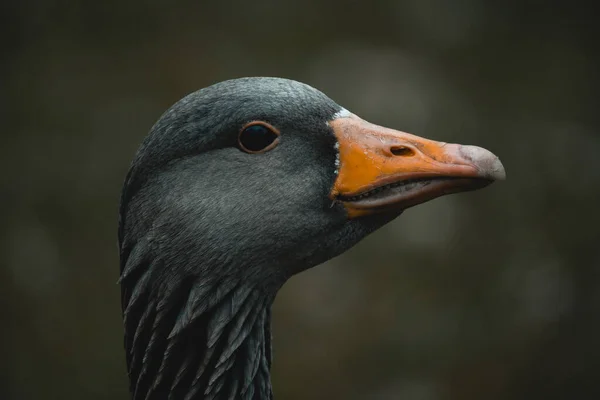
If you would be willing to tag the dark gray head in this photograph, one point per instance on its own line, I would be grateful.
(237, 187)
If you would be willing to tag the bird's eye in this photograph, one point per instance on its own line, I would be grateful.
(258, 137)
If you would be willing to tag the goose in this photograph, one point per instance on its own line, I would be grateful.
(236, 188)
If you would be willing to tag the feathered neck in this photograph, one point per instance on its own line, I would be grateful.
(193, 338)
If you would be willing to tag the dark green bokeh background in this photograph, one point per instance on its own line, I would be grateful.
(486, 295)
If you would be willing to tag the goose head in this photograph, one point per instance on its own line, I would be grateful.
(238, 187)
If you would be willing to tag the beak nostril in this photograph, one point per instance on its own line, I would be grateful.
(402, 151)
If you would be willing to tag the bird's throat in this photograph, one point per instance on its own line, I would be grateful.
(204, 340)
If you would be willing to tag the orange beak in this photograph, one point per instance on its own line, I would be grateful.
(381, 169)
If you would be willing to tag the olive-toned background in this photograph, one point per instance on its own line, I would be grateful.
(486, 295)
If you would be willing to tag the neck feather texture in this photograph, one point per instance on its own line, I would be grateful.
(192, 338)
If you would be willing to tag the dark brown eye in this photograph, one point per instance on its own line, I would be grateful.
(258, 137)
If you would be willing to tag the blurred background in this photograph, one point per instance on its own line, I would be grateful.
(486, 295)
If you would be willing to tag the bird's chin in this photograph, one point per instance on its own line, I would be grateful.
(397, 196)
